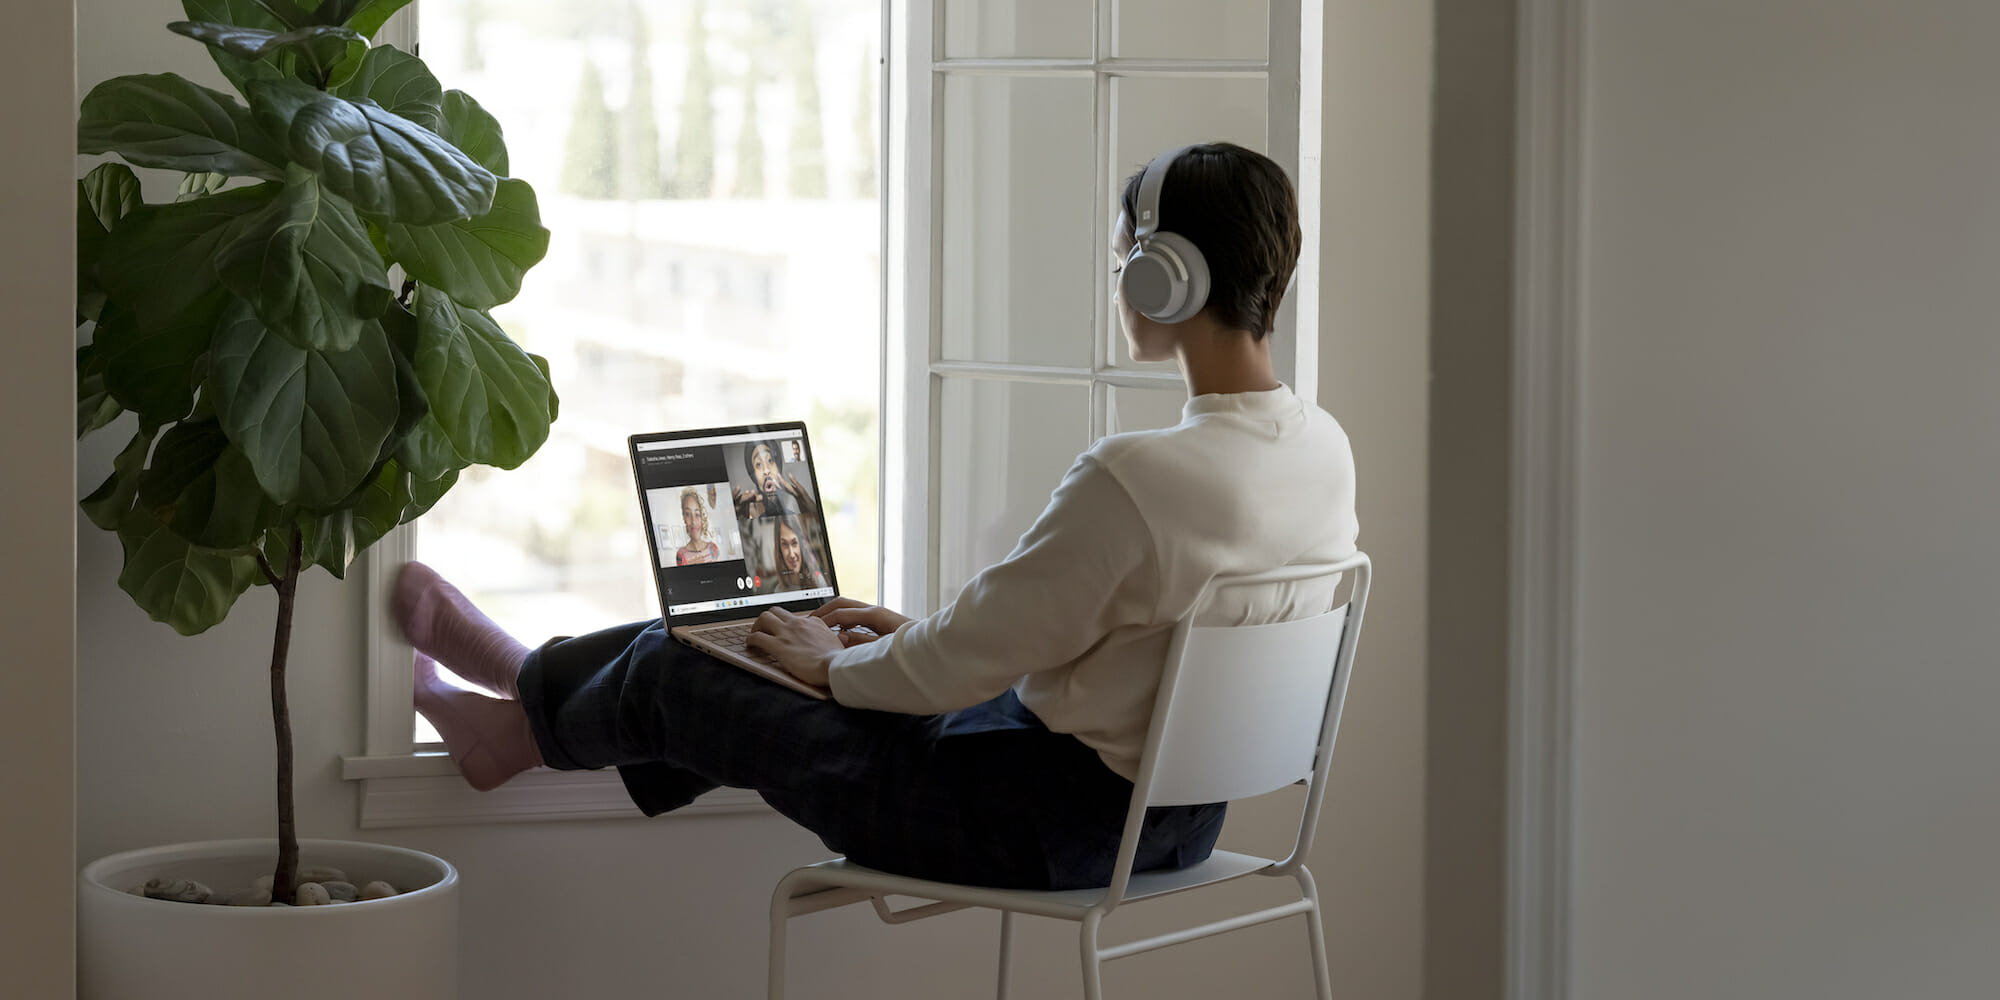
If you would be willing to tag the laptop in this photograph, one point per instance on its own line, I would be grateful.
(735, 527)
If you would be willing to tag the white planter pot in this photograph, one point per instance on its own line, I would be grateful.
(401, 948)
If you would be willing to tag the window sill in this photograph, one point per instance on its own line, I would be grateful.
(424, 789)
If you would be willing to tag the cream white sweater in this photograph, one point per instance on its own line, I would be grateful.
(1078, 617)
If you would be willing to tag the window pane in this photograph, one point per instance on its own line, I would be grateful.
(1190, 29)
(1032, 28)
(1142, 409)
(1019, 223)
(1003, 447)
(707, 170)
(1152, 114)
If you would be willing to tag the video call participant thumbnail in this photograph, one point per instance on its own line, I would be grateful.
(794, 564)
(701, 545)
(773, 492)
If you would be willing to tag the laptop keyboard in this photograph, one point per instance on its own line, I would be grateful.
(733, 639)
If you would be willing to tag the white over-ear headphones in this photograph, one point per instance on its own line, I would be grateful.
(1165, 277)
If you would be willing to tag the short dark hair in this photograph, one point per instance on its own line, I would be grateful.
(1240, 211)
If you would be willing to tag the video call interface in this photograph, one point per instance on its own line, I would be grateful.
(736, 521)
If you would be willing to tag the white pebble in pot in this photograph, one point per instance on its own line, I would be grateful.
(377, 890)
(312, 894)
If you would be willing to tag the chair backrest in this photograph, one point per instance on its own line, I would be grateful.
(1248, 709)
(1245, 714)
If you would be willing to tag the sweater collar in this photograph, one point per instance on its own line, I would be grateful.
(1270, 404)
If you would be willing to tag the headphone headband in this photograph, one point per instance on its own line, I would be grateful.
(1148, 205)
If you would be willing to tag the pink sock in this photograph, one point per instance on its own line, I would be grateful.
(443, 623)
(488, 738)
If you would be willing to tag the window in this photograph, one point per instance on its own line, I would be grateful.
(1010, 127)
(1031, 115)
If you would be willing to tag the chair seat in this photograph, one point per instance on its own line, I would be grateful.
(1068, 904)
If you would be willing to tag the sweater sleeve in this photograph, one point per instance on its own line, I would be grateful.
(1084, 568)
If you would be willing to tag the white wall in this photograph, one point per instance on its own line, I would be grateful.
(174, 740)
(37, 614)
(1375, 377)
(1471, 389)
(1786, 748)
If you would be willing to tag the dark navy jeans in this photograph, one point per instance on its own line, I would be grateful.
(986, 795)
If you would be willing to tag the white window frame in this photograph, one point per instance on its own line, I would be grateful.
(402, 787)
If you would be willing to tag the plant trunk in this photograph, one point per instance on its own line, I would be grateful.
(282, 887)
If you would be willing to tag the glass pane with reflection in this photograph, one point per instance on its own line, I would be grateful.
(1190, 29)
(1003, 447)
(1043, 29)
(1018, 272)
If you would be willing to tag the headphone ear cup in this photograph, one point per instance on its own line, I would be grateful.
(1195, 284)
(1150, 283)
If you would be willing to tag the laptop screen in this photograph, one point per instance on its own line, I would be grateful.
(734, 521)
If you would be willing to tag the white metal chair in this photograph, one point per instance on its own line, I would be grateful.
(1242, 711)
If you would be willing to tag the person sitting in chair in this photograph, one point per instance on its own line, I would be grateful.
(995, 741)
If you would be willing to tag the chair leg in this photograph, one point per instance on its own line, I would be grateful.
(1093, 983)
(781, 915)
(1315, 934)
(1006, 949)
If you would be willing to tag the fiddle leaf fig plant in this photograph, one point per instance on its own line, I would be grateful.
(302, 335)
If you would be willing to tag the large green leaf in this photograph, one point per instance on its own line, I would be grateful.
(165, 298)
(242, 13)
(325, 55)
(328, 541)
(290, 14)
(370, 15)
(411, 406)
(311, 422)
(106, 194)
(418, 443)
(160, 120)
(425, 494)
(487, 395)
(479, 262)
(427, 451)
(306, 265)
(186, 587)
(94, 406)
(161, 258)
(107, 505)
(555, 401)
(109, 192)
(333, 540)
(200, 185)
(401, 84)
(388, 166)
(474, 131)
(202, 486)
(152, 368)
(334, 11)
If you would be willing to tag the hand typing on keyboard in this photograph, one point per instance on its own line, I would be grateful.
(858, 622)
(801, 644)
(804, 644)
